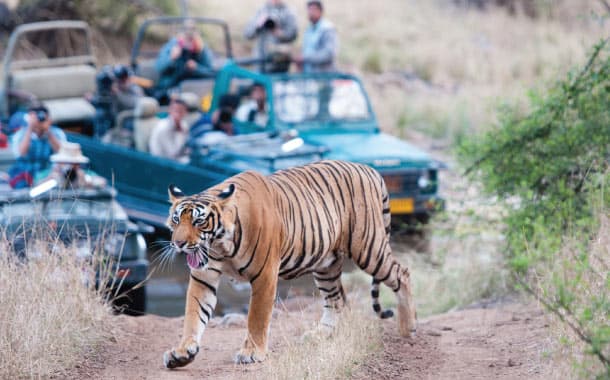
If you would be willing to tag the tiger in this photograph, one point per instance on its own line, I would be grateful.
(297, 221)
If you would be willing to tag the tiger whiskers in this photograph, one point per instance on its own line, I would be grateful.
(164, 255)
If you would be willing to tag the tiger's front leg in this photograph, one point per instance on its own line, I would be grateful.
(259, 316)
(200, 303)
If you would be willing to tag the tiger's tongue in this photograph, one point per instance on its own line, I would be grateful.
(191, 258)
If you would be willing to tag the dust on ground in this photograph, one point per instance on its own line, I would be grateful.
(504, 340)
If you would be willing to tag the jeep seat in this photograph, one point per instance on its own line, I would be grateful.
(145, 121)
(61, 89)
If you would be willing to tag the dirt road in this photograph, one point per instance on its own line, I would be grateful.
(505, 341)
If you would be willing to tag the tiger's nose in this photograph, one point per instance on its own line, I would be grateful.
(180, 243)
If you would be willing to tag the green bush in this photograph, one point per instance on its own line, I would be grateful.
(551, 168)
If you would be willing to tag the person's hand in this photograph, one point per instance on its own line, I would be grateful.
(45, 125)
(261, 20)
(191, 64)
(175, 52)
(114, 88)
(298, 60)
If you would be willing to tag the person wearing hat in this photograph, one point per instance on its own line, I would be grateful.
(125, 93)
(33, 145)
(319, 41)
(67, 170)
(274, 25)
(182, 57)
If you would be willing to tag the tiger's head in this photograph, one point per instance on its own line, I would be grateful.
(199, 224)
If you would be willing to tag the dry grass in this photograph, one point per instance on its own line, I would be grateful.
(50, 311)
(433, 67)
(316, 356)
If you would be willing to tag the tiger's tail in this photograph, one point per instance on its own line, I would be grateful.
(383, 314)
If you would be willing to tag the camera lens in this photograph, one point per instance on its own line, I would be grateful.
(41, 116)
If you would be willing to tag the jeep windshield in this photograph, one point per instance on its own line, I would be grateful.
(320, 101)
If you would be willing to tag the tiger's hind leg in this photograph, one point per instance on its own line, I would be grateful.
(384, 268)
(329, 284)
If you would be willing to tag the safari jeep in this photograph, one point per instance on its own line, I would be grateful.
(89, 219)
(51, 62)
(311, 117)
(330, 111)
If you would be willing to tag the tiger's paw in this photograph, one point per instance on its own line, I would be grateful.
(249, 355)
(179, 357)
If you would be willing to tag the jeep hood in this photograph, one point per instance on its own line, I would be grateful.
(379, 150)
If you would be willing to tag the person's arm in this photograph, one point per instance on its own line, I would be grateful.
(23, 145)
(128, 99)
(164, 59)
(204, 63)
(55, 137)
(253, 28)
(326, 53)
(287, 31)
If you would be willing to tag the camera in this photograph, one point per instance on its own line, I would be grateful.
(269, 24)
(226, 115)
(41, 115)
(104, 80)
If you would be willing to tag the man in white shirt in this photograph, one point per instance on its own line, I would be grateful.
(169, 137)
(254, 110)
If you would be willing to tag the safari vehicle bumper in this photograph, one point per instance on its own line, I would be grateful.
(416, 205)
(131, 272)
(413, 191)
(129, 298)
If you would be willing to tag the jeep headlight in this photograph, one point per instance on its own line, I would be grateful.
(424, 180)
(427, 180)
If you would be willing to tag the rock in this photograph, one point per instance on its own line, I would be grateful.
(434, 333)
(512, 363)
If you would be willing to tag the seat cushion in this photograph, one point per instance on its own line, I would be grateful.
(55, 82)
(70, 110)
(142, 130)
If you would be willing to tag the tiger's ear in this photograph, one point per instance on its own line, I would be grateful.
(226, 193)
(174, 193)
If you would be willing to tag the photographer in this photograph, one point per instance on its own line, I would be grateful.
(125, 93)
(274, 24)
(33, 146)
(183, 57)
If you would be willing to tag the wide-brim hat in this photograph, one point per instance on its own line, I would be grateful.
(69, 153)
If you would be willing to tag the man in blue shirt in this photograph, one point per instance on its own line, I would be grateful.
(319, 42)
(33, 145)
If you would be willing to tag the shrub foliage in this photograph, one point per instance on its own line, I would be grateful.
(551, 167)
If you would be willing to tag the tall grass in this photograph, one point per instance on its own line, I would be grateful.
(318, 356)
(51, 313)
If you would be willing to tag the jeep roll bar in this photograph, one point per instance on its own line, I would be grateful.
(169, 20)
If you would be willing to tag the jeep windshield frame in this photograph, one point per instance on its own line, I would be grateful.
(137, 53)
